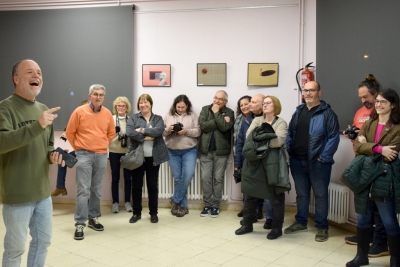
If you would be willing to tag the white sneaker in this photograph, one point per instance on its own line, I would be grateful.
(128, 207)
(115, 208)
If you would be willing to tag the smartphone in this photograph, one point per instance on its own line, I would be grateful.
(70, 160)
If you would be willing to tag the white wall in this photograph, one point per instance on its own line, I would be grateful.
(233, 36)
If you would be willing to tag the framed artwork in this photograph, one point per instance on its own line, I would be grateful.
(156, 75)
(262, 74)
(211, 74)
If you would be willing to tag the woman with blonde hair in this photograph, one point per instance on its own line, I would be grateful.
(118, 147)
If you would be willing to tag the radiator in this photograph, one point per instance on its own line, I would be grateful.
(166, 184)
(339, 201)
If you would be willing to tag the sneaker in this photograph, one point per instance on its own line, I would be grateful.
(59, 191)
(79, 232)
(268, 224)
(95, 225)
(115, 208)
(174, 206)
(135, 218)
(205, 212)
(322, 235)
(182, 211)
(351, 240)
(295, 227)
(214, 212)
(154, 218)
(128, 207)
(377, 251)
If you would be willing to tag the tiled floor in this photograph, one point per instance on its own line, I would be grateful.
(189, 241)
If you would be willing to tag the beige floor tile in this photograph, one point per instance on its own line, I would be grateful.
(244, 261)
(291, 260)
(216, 256)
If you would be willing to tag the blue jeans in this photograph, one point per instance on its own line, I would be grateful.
(37, 216)
(62, 173)
(90, 171)
(115, 165)
(268, 209)
(388, 215)
(366, 221)
(183, 165)
(316, 176)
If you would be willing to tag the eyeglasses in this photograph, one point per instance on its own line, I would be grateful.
(267, 103)
(121, 106)
(382, 102)
(306, 91)
(219, 99)
(98, 95)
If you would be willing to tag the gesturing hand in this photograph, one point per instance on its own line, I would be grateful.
(47, 117)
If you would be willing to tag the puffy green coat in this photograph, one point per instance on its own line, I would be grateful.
(214, 122)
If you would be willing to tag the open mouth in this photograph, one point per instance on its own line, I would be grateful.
(34, 83)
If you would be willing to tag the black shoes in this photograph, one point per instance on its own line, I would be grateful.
(135, 218)
(244, 229)
(268, 224)
(154, 218)
(240, 214)
(274, 234)
(95, 225)
(79, 232)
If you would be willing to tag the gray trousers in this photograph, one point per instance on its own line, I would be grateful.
(212, 178)
(90, 171)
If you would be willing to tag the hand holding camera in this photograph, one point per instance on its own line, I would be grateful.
(351, 132)
(122, 137)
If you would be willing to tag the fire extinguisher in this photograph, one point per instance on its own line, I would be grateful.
(306, 76)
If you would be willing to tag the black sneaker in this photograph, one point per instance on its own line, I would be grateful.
(154, 218)
(79, 232)
(214, 212)
(351, 240)
(95, 225)
(135, 218)
(377, 251)
(205, 211)
(268, 224)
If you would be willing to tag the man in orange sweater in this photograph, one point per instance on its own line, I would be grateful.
(90, 131)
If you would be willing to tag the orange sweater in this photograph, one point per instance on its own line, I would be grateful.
(90, 131)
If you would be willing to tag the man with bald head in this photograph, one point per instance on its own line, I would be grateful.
(26, 148)
(215, 145)
(312, 140)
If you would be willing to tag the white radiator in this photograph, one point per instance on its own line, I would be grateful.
(166, 184)
(339, 200)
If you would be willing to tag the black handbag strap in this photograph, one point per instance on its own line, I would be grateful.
(276, 118)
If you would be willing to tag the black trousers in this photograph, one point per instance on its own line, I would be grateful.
(152, 186)
(115, 165)
(278, 210)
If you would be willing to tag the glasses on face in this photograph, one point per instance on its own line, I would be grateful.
(98, 95)
(121, 106)
(219, 99)
(306, 91)
(267, 103)
(382, 102)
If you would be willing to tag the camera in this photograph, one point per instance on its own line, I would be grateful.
(351, 131)
(177, 127)
(124, 140)
(237, 175)
(117, 129)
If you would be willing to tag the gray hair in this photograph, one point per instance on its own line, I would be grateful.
(226, 94)
(96, 87)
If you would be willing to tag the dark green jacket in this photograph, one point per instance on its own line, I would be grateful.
(260, 164)
(370, 177)
(214, 122)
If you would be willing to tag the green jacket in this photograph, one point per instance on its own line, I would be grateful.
(24, 151)
(210, 123)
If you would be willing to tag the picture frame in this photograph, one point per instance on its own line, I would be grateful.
(156, 75)
(263, 74)
(211, 74)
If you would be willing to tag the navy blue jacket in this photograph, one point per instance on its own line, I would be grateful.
(323, 138)
(241, 138)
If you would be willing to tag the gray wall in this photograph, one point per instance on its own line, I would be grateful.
(75, 48)
(346, 31)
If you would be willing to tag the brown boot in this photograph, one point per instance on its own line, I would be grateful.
(59, 191)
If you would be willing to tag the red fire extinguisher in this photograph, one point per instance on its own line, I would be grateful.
(306, 76)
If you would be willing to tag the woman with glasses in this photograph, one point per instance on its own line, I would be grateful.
(146, 128)
(181, 134)
(118, 147)
(254, 181)
(378, 144)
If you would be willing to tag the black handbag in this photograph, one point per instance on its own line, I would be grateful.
(133, 159)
